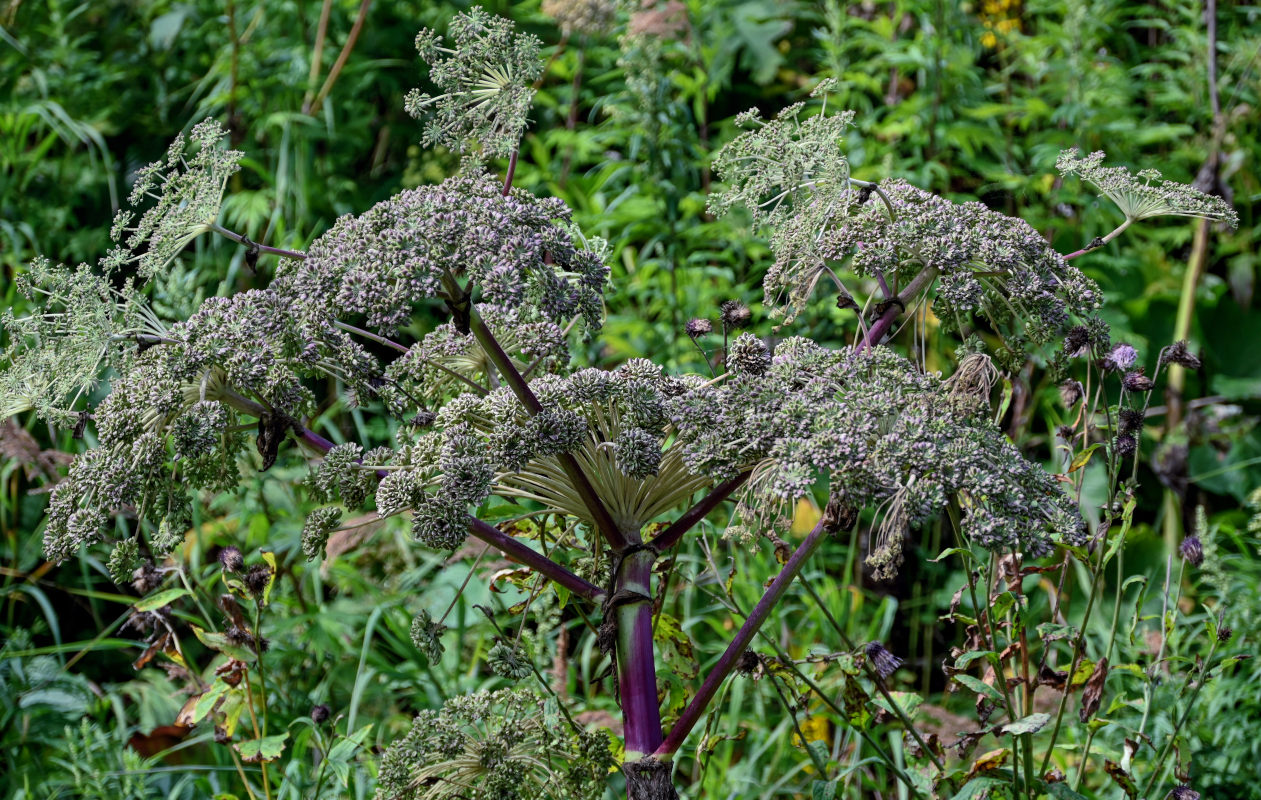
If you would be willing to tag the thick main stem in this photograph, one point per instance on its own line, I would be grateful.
(731, 656)
(636, 666)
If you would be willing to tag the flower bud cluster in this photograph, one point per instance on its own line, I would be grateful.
(876, 426)
(486, 78)
(1141, 196)
(989, 263)
(508, 744)
(187, 190)
(412, 247)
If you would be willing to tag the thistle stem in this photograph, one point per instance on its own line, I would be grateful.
(731, 656)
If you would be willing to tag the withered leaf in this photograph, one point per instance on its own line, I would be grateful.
(1093, 692)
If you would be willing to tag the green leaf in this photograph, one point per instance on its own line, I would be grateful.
(268, 748)
(980, 687)
(823, 790)
(972, 655)
(1083, 458)
(208, 699)
(978, 786)
(1030, 724)
(270, 558)
(908, 702)
(1060, 791)
(219, 643)
(155, 601)
(962, 552)
(1051, 631)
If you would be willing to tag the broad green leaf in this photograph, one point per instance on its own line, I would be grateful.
(270, 558)
(268, 748)
(1030, 724)
(980, 687)
(155, 601)
(1083, 458)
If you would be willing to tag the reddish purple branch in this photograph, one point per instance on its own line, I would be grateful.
(512, 170)
(533, 559)
(521, 388)
(731, 656)
(896, 307)
(494, 537)
(670, 536)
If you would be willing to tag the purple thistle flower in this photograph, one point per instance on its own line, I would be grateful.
(882, 661)
(1120, 359)
(1192, 550)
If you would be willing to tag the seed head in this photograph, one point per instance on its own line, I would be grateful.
(884, 662)
(734, 315)
(231, 559)
(1192, 550)
(320, 714)
(1137, 382)
(1177, 353)
(697, 328)
(256, 579)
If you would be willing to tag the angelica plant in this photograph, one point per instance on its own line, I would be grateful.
(603, 472)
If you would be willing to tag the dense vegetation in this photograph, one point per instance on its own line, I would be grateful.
(959, 635)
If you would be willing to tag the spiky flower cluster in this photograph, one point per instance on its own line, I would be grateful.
(168, 424)
(186, 192)
(426, 634)
(1144, 195)
(615, 423)
(504, 745)
(515, 250)
(988, 263)
(885, 434)
(56, 357)
(793, 178)
(485, 82)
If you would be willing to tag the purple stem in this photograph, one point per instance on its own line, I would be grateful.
(918, 284)
(636, 667)
(512, 170)
(670, 536)
(521, 388)
(533, 559)
(262, 248)
(731, 656)
(487, 533)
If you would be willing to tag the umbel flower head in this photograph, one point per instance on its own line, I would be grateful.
(791, 175)
(485, 80)
(186, 191)
(988, 263)
(516, 250)
(509, 745)
(892, 437)
(1144, 195)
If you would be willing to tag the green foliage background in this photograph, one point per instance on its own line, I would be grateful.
(970, 100)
